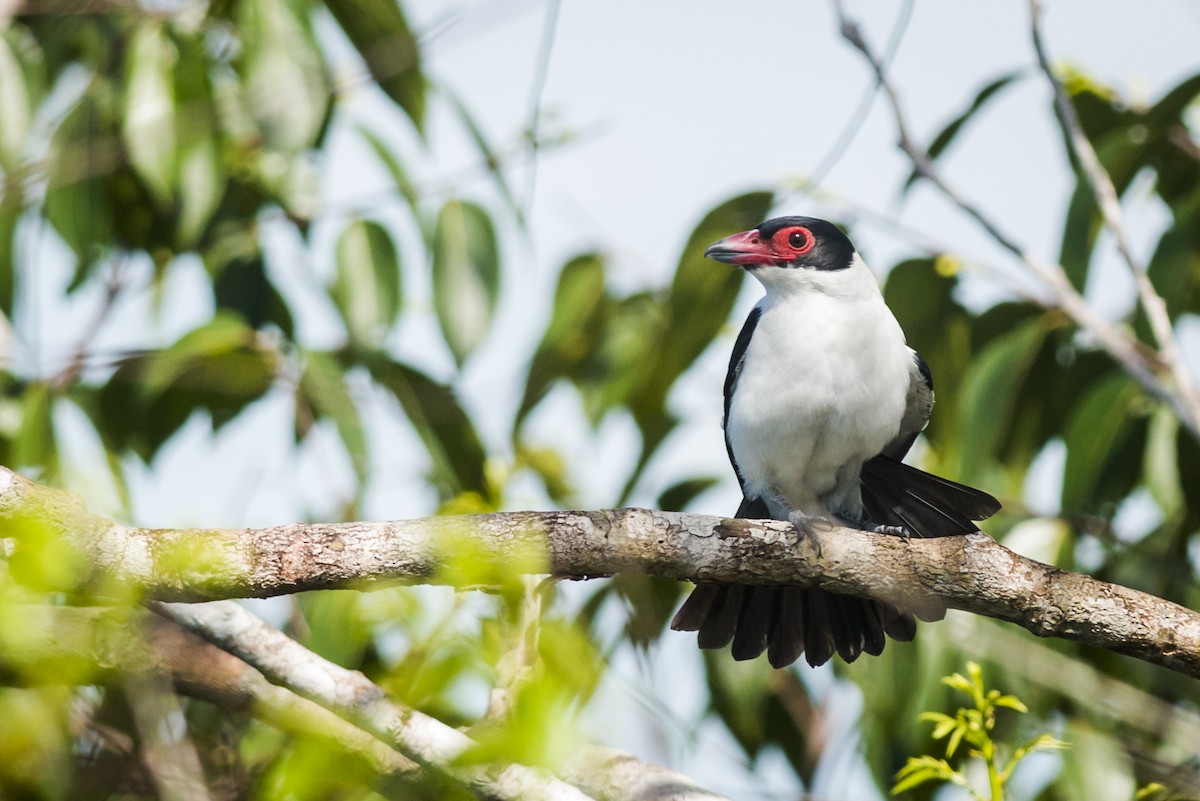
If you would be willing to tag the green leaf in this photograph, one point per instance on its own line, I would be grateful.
(287, 91)
(1126, 141)
(574, 328)
(18, 97)
(466, 275)
(367, 288)
(1102, 441)
(395, 169)
(948, 134)
(1154, 792)
(1012, 702)
(449, 436)
(1160, 469)
(35, 444)
(148, 117)
(11, 205)
(920, 292)
(323, 390)
(676, 497)
(94, 199)
(649, 605)
(380, 33)
(1174, 269)
(919, 770)
(697, 305)
(550, 467)
(81, 156)
(201, 177)
(1122, 160)
(242, 286)
(1097, 768)
(223, 334)
(702, 294)
(219, 368)
(618, 369)
(335, 627)
(988, 397)
(956, 736)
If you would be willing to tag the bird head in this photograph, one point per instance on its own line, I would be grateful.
(794, 253)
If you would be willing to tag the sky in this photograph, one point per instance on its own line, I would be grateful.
(671, 107)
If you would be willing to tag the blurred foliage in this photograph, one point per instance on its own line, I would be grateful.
(151, 140)
(973, 726)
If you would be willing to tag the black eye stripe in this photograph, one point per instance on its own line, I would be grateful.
(830, 249)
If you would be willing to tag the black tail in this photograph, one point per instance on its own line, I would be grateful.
(789, 621)
(895, 494)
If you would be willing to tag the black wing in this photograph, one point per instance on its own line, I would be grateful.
(917, 410)
(925, 505)
(731, 378)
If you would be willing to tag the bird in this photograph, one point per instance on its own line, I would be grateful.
(823, 399)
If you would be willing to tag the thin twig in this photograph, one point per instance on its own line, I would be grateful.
(1110, 209)
(518, 663)
(927, 244)
(854, 124)
(114, 285)
(1142, 365)
(170, 757)
(539, 88)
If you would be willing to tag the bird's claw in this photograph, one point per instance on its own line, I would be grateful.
(877, 528)
(806, 526)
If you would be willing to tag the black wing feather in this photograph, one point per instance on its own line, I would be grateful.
(736, 359)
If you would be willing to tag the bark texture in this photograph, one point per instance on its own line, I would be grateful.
(972, 573)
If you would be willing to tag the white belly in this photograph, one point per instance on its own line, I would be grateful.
(823, 388)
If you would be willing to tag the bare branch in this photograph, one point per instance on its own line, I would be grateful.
(602, 773)
(972, 573)
(1110, 209)
(169, 756)
(351, 694)
(1123, 348)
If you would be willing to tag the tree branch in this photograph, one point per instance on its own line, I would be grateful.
(70, 643)
(601, 773)
(972, 573)
(1123, 348)
(59, 644)
(1110, 209)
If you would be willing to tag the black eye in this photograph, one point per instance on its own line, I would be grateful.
(798, 239)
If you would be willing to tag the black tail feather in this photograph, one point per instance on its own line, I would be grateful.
(754, 622)
(788, 622)
(787, 641)
(897, 494)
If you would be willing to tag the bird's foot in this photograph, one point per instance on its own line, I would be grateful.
(867, 525)
(808, 525)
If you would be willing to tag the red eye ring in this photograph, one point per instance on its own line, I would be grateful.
(799, 240)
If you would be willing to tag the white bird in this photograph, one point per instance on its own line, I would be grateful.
(823, 398)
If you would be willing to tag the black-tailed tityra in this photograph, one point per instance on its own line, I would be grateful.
(823, 398)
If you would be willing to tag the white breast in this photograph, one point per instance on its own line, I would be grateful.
(823, 388)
